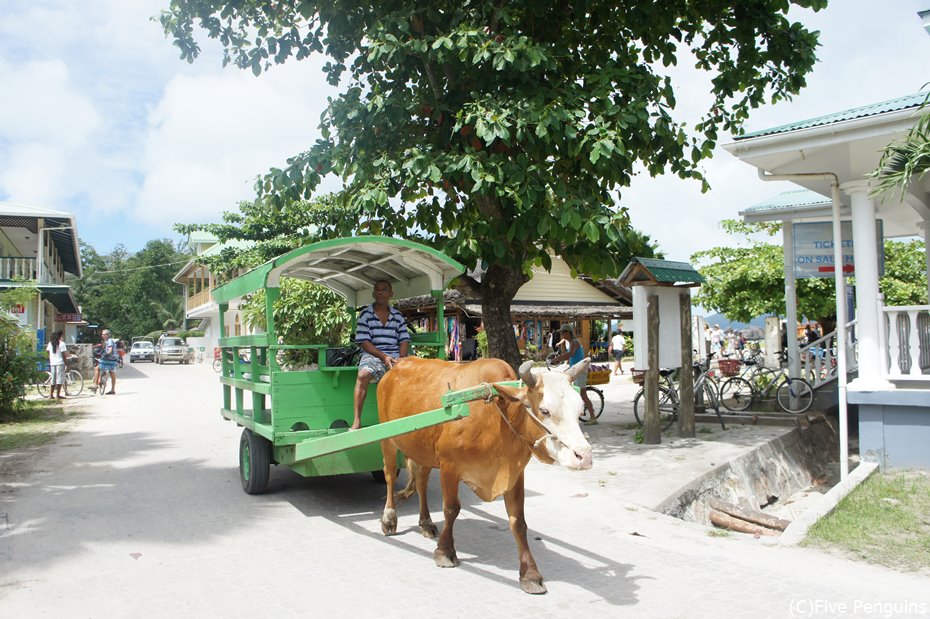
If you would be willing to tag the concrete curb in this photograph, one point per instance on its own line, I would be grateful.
(797, 530)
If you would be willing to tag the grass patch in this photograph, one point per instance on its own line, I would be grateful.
(37, 424)
(886, 520)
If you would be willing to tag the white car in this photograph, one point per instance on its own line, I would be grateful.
(142, 351)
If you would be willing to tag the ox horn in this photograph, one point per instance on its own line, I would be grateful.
(526, 374)
(578, 368)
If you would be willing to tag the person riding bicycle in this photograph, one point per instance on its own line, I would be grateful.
(109, 356)
(574, 353)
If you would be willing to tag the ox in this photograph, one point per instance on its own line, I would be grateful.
(487, 450)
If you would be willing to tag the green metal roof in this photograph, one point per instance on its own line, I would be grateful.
(892, 105)
(662, 271)
(789, 200)
(350, 267)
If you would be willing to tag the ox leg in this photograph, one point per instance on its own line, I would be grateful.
(444, 554)
(389, 516)
(531, 580)
(427, 528)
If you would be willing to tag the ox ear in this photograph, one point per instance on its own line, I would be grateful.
(512, 394)
(578, 368)
(526, 374)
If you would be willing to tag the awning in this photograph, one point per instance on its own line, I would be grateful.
(58, 295)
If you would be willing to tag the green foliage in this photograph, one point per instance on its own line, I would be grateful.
(304, 313)
(748, 279)
(517, 122)
(482, 339)
(18, 356)
(191, 333)
(905, 161)
(132, 294)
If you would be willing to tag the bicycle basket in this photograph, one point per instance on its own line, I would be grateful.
(638, 376)
(729, 367)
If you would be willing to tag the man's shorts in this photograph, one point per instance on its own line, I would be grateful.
(618, 355)
(581, 381)
(107, 366)
(58, 374)
(373, 365)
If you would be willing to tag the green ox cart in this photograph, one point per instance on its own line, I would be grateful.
(300, 418)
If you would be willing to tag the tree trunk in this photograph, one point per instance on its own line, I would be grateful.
(499, 285)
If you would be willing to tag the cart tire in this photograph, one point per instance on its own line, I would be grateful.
(254, 462)
(378, 476)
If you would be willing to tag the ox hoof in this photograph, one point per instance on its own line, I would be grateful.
(533, 586)
(445, 560)
(389, 522)
(429, 530)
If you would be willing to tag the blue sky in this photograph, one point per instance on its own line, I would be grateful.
(100, 118)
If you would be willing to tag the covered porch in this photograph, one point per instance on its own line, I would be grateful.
(885, 350)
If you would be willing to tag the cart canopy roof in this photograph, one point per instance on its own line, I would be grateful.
(351, 266)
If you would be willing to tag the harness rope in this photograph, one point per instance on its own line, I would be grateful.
(532, 446)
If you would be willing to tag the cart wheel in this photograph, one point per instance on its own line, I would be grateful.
(378, 476)
(254, 462)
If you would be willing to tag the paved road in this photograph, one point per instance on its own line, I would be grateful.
(139, 513)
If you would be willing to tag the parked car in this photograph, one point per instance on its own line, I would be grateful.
(142, 351)
(171, 349)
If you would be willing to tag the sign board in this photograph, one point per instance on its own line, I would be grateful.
(813, 249)
(669, 325)
(68, 317)
(19, 308)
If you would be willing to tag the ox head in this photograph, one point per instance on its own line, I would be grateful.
(552, 402)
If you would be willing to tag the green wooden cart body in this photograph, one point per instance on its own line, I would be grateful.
(304, 415)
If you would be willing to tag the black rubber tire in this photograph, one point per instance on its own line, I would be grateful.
(254, 462)
(597, 401)
(74, 383)
(736, 394)
(378, 476)
(44, 385)
(803, 394)
(666, 408)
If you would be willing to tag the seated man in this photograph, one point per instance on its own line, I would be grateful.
(381, 332)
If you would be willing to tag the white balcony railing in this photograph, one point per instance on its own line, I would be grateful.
(907, 334)
(17, 267)
(818, 358)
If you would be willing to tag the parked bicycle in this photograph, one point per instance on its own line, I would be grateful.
(793, 395)
(74, 381)
(705, 392)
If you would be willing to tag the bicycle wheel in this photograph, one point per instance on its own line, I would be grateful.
(597, 401)
(104, 378)
(795, 395)
(736, 394)
(667, 408)
(712, 401)
(44, 384)
(217, 365)
(74, 382)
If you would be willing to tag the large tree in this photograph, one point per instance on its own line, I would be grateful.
(747, 279)
(500, 132)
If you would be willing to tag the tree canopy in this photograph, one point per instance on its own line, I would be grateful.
(132, 294)
(501, 133)
(748, 280)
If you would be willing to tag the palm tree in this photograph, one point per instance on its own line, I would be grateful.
(169, 312)
(906, 161)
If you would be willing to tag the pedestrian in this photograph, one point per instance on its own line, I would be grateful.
(574, 353)
(381, 333)
(716, 339)
(109, 356)
(57, 355)
(616, 348)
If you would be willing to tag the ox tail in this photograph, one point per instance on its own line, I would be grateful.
(410, 488)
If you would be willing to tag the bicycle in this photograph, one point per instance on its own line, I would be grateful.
(74, 382)
(793, 395)
(670, 401)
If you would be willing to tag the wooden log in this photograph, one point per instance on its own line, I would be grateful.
(724, 521)
(749, 515)
(686, 384)
(652, 432)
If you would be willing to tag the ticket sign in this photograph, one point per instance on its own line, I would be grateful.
(813, 249)
(19, 308)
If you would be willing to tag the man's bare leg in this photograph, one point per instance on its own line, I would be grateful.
(361, 392)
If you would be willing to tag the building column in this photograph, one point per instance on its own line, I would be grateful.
(865, 253)
(791, 304)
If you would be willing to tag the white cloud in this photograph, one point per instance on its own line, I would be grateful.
(211, 135)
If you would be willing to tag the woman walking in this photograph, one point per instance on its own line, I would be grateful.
(57, 353)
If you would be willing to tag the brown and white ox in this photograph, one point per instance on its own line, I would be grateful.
(487, 450)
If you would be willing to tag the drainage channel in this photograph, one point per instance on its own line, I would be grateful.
(761, 491)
